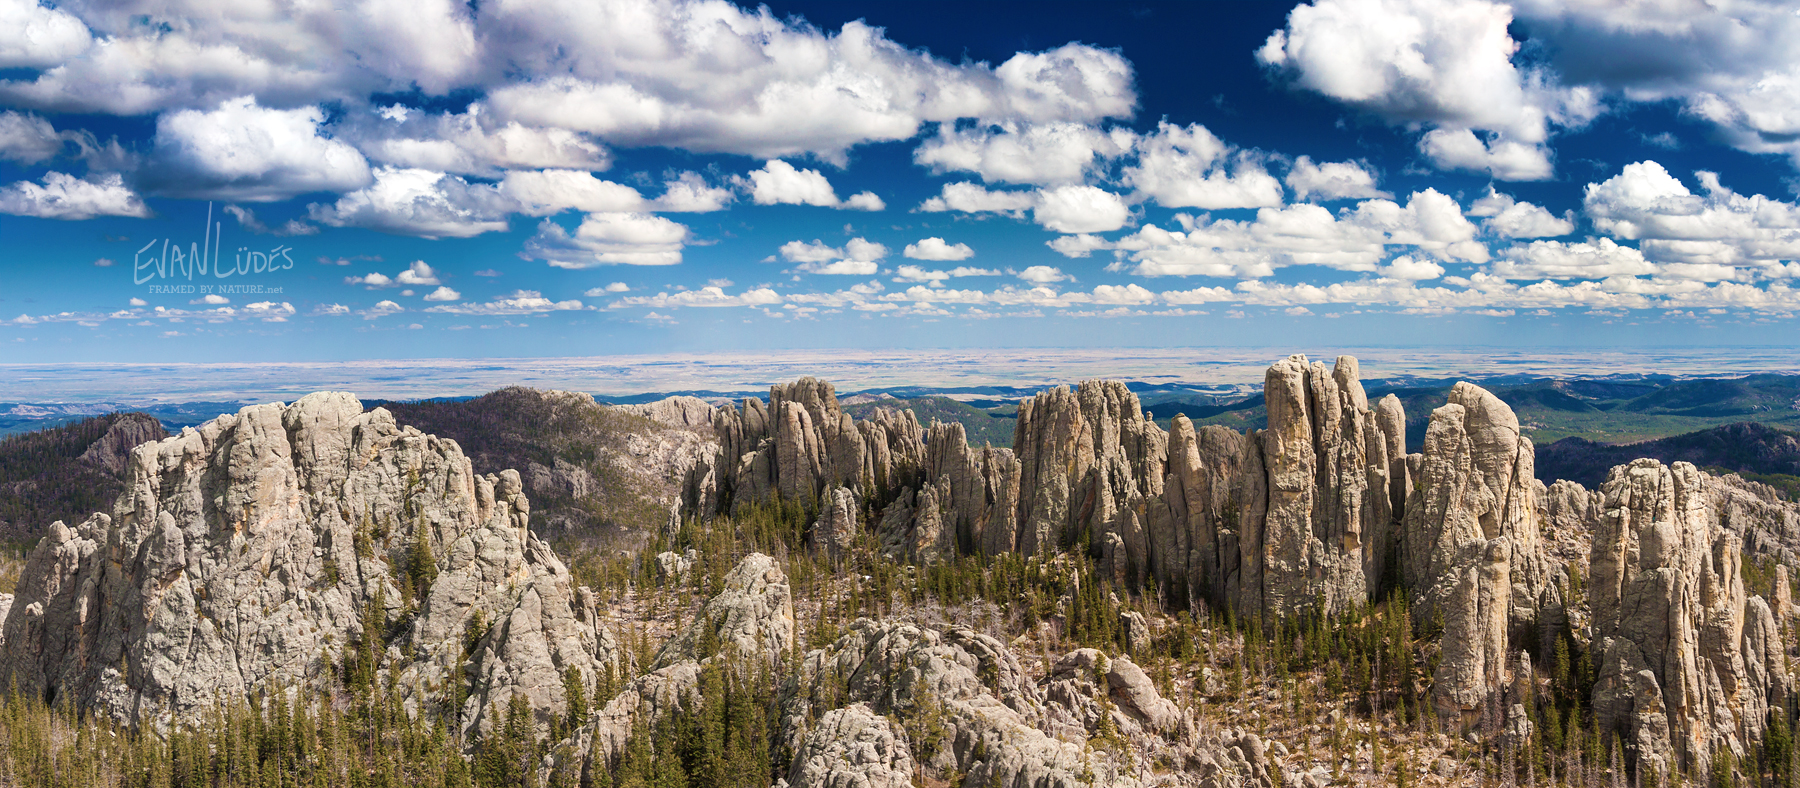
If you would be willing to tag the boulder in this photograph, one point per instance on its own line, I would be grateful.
(852, 747)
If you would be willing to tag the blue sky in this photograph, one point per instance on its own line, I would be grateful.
(552, 178)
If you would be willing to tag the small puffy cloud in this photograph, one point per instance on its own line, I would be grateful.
(1353, 239)
(1446, 64)
(269, 311)
(213, 299)
(418, 274)
(1080, 209)
(104, 262)
(1297, 311)
(1595, 259)
(1043, 275)
(1408, 269)
(865, 201)
(519, 302)
(973, 198)
(1675, 226)
(419, 202)
(1507, 160)
(242, 151)
(139, 302)
(1509, 218)
(1190, 167)
(859, 257)
(67, 197)
(690, 193)
(610, 239)
(443, 294)
(709, 296)
(329, 310)
(1038, 153)
(548, 192)
(935, 248)
(618, 287)
(488, 272)
(780, 183)
(373, 280)
(814, 252)
(864, 249)
(1078, 245)
(382, 309)
(1332, 180)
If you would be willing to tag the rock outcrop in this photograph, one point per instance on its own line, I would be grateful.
(834, 533)
(246, 554)
(852, 747)
(997, 727)
(681, 412)
(1272, 523)
(1315, 510)
(1690, 664)
(1469, 545)
(750, 619)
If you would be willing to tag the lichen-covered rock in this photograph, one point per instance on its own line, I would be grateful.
(1690, 663)
(244, 554)
(852, 747)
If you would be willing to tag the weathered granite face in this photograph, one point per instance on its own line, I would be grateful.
(244, 554)
(1469, 545)
(1689, 663)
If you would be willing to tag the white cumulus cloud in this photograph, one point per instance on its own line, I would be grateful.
(242, 151)
(935, 248)
(419, 202)
(67, 197)
(610, 239)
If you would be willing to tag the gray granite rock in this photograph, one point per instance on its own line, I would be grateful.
(245, 551)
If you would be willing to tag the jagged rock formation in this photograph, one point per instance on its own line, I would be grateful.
(1089, 460)
(751, 618)
(1272, 523)
(965, 501)
(1470, 548)
(753, 613)
(834, 533)
(245, 554)
(1689, 663)
(1315, 506)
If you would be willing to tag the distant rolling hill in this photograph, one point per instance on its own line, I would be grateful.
(68, 472)
(1757, 451)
